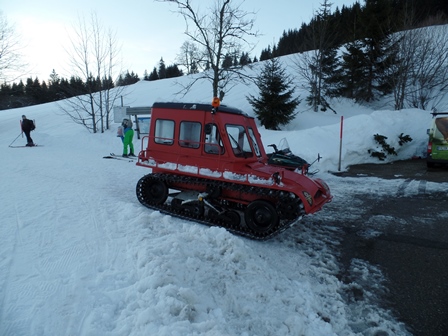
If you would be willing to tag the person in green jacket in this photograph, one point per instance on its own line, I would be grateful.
(128, 136)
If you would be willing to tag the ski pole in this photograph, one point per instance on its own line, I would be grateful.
(15, 139)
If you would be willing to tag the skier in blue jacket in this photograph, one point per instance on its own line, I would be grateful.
(128, 136)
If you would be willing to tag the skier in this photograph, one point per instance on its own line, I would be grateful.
(128, 133)
(27, 127)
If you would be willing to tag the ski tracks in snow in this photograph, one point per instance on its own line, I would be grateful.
(60, 240)
(7, 264)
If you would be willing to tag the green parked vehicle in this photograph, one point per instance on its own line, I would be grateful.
(438, 140)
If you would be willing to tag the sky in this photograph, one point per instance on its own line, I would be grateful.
(146, 30)
(79, 255)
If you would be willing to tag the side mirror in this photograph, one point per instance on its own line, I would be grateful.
(427, 131)
(208, 129)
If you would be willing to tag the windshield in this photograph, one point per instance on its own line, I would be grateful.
(254, 142)
(284, 146)
(238, 140)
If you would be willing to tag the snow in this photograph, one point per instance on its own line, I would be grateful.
(79, 255)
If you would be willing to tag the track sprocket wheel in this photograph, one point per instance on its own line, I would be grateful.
(261, 216)
(151, 191)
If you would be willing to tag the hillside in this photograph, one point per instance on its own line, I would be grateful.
(81, 256)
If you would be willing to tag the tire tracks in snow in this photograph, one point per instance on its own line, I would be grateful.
(100, 256)
(420, 190)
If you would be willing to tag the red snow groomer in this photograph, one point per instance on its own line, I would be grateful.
(209, 165)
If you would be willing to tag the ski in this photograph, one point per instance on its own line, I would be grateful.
(118, 157)
(24, 146)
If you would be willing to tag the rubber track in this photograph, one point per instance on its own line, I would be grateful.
(263, 193)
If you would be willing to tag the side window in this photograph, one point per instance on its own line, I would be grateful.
(255, 144)
(190, 134)
(238, 141)
(213, 143)
(164, 132)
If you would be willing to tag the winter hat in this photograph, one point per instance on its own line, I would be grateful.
(23, 116)
(127, 123)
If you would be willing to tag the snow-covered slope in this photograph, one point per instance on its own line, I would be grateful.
(80, 256)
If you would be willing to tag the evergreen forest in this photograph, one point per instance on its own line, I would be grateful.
(373, 62)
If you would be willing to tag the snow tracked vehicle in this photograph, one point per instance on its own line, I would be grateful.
(209, 165)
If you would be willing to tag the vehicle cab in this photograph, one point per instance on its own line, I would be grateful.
(216, 138)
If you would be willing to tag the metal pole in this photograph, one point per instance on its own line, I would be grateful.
(138, 126)
(340, 143)
(15, 139)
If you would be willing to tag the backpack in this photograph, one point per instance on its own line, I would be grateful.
(28, 124)
(120, 131)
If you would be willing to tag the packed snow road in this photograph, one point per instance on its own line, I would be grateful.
(396, 219)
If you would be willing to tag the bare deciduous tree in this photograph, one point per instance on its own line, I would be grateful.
(11, 64)
(429, 76)
(189, 54)
(313, 66)
(93, 57)
(405, 42)
(421, 76)
(219, 31)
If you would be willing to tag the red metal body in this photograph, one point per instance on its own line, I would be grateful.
(220, 144)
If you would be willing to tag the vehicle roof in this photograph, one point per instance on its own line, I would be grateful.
(198, 106)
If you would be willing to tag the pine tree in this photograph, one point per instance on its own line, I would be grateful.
(162, 69)
(173, 71)
(154, 75)
(132, 78)
(371, 55)
(245, 59)
(5, 94)
(44, 97)
(54, 86)
(33, 91)
(77, 86)
(266, 54)
(227, 62)
(319, 66)
(17, 98)
(66, 90)
(275, 105)
(353, 71)
(128, 79)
